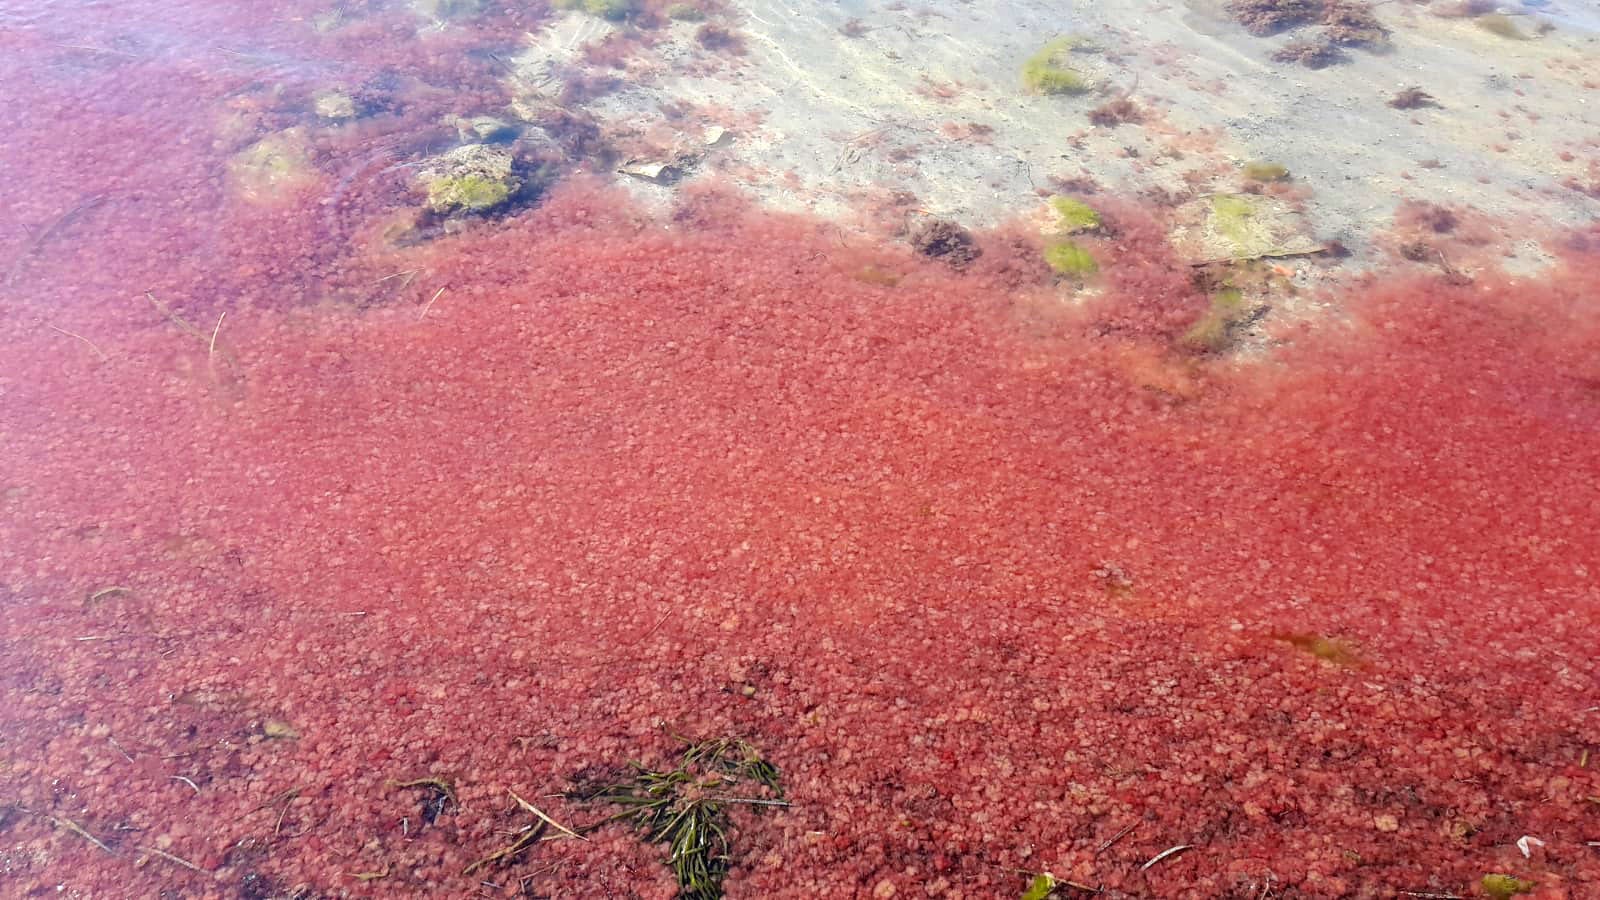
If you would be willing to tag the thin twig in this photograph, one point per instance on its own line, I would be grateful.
(1114, 838)
(80, 831)
(429, 305)
(191, 784)
(1165, 854)
(171, 858)
(547, 820)
(211, 349)
(73, 334)
(125, 754)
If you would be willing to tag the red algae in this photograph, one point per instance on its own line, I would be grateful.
(1000, 585)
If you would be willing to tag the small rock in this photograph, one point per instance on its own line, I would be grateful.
(473, 179)
(273, 167)
(1386, 823)
(334, 105)
(279, 730)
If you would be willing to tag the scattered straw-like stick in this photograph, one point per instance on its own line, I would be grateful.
(171, 858)
(80, 831)
(92, 346)
(528, 839)
(407, 275)
(1166, 854)
(370, 876)
(211, 348)
(192, 785)
(1111, 842)
(174, 318)
(125, 754)
(429, 305)
(546, 819)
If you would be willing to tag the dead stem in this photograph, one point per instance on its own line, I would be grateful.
(125, 755)
(429, 305)
(528, 839)
(1114, 838)
(171, 858)
(407, 275)
(211, 349)
(439, 784)
(80, 831)
(174, 318)
(73, 334)
(1166, 854)
(48, 231)
(191, 784)
(546, 819)
(370, 876)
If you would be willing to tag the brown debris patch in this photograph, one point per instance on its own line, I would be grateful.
(945, 240)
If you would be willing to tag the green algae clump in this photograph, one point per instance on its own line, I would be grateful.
(1046, 72)
(685, 12)
(1068, 258)
(1266, 171)
(1231, 215)
(614, 10)
(1041, 887)
(1075, 215)
(1504, 887)
(1213, 331)
(1335, 650)
(467, 193)
(1501, 26)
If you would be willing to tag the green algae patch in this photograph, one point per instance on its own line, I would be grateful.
(1048, 72)
(467, 193)
(685, 12)
(272, 168)
(1334, 650)
(614, 10)
(1266, 171)
(1074, 216)
(1069, 258)
(1504, 887)
(1501, 25)
(1041, 887)
(1213, 332)
(1240, 227)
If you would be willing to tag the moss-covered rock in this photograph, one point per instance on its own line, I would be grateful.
(471, 180)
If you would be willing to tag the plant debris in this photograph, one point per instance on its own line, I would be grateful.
(1413, 98)
(1313, 53)
(686, 807)
(945, 240)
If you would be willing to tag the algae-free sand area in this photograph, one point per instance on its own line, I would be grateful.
(705, 449)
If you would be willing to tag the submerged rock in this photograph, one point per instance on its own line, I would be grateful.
(471, 180)
(333, 105)
(272, 168)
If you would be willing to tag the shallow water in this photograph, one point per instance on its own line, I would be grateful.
(413, 413)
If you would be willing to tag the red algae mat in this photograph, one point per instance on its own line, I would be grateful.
(994, 595)
(1000, 585)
